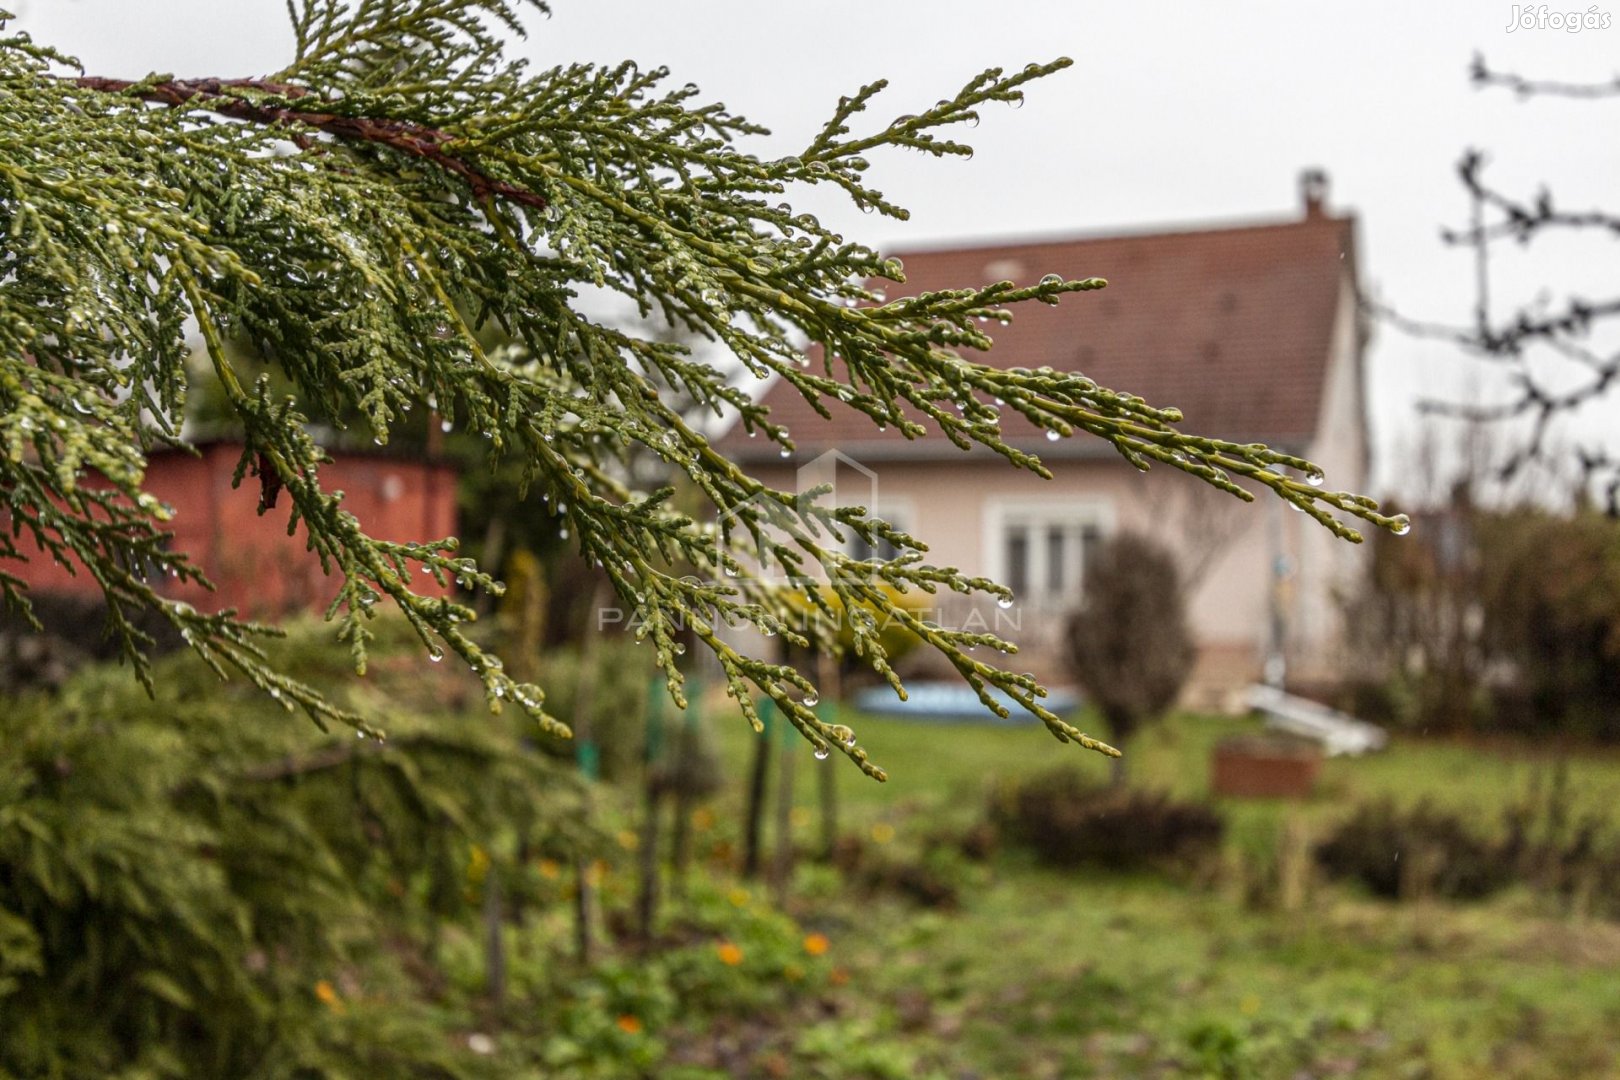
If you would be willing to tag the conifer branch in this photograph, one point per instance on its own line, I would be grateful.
(372, 217)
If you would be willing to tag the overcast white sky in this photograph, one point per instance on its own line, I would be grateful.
(1173, 113)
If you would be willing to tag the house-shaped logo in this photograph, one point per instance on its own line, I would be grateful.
(824, 486)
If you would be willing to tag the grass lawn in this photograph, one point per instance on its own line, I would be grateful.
(947, 767)
(1053, 975)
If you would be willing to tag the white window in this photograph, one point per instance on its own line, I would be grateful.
(1039, 549)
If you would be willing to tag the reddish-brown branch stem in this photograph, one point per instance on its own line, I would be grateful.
(219, 96)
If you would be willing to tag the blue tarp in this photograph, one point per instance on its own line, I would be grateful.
(949, 701)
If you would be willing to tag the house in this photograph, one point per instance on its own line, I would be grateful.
(1253, 330)
(257, 567)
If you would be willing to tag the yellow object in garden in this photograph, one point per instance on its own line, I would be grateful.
(328, 996)
(630, 1025)
(816, 944)
(895, 638)
(477, 864)
(729, 954)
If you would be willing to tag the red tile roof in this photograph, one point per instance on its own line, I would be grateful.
(1233, 325)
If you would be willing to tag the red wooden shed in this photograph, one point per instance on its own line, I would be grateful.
(257, 567)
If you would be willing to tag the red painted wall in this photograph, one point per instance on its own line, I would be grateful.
(257, 568)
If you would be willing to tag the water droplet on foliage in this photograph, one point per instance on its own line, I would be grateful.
(812, 699)
(1004, 603)
(1052, 279)
(1401, 524)
(435, 655)
(1052, 436)
(1314, 477)
(822, 753)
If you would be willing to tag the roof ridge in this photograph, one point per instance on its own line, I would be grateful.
(989, 245)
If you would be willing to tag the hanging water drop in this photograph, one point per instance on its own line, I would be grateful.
(1052, 436)
(435, 655)
(1314, 477)
(812, 699)
(1004, 602)
(822, 753)
(1401, 524)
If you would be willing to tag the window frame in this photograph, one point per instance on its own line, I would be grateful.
(1039, 516)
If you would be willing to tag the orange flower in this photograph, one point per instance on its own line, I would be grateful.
(816, 944)
(629, 1024)
(730, 955)
(838, 976)
(328, 996)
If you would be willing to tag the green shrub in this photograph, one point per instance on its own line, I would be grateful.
(1551, 598)
(201, 885)
(1067, 820)
(1395, 852)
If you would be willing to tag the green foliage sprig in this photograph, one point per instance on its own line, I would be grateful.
(362, 214)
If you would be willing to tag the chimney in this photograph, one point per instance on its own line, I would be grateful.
(1313, 185)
